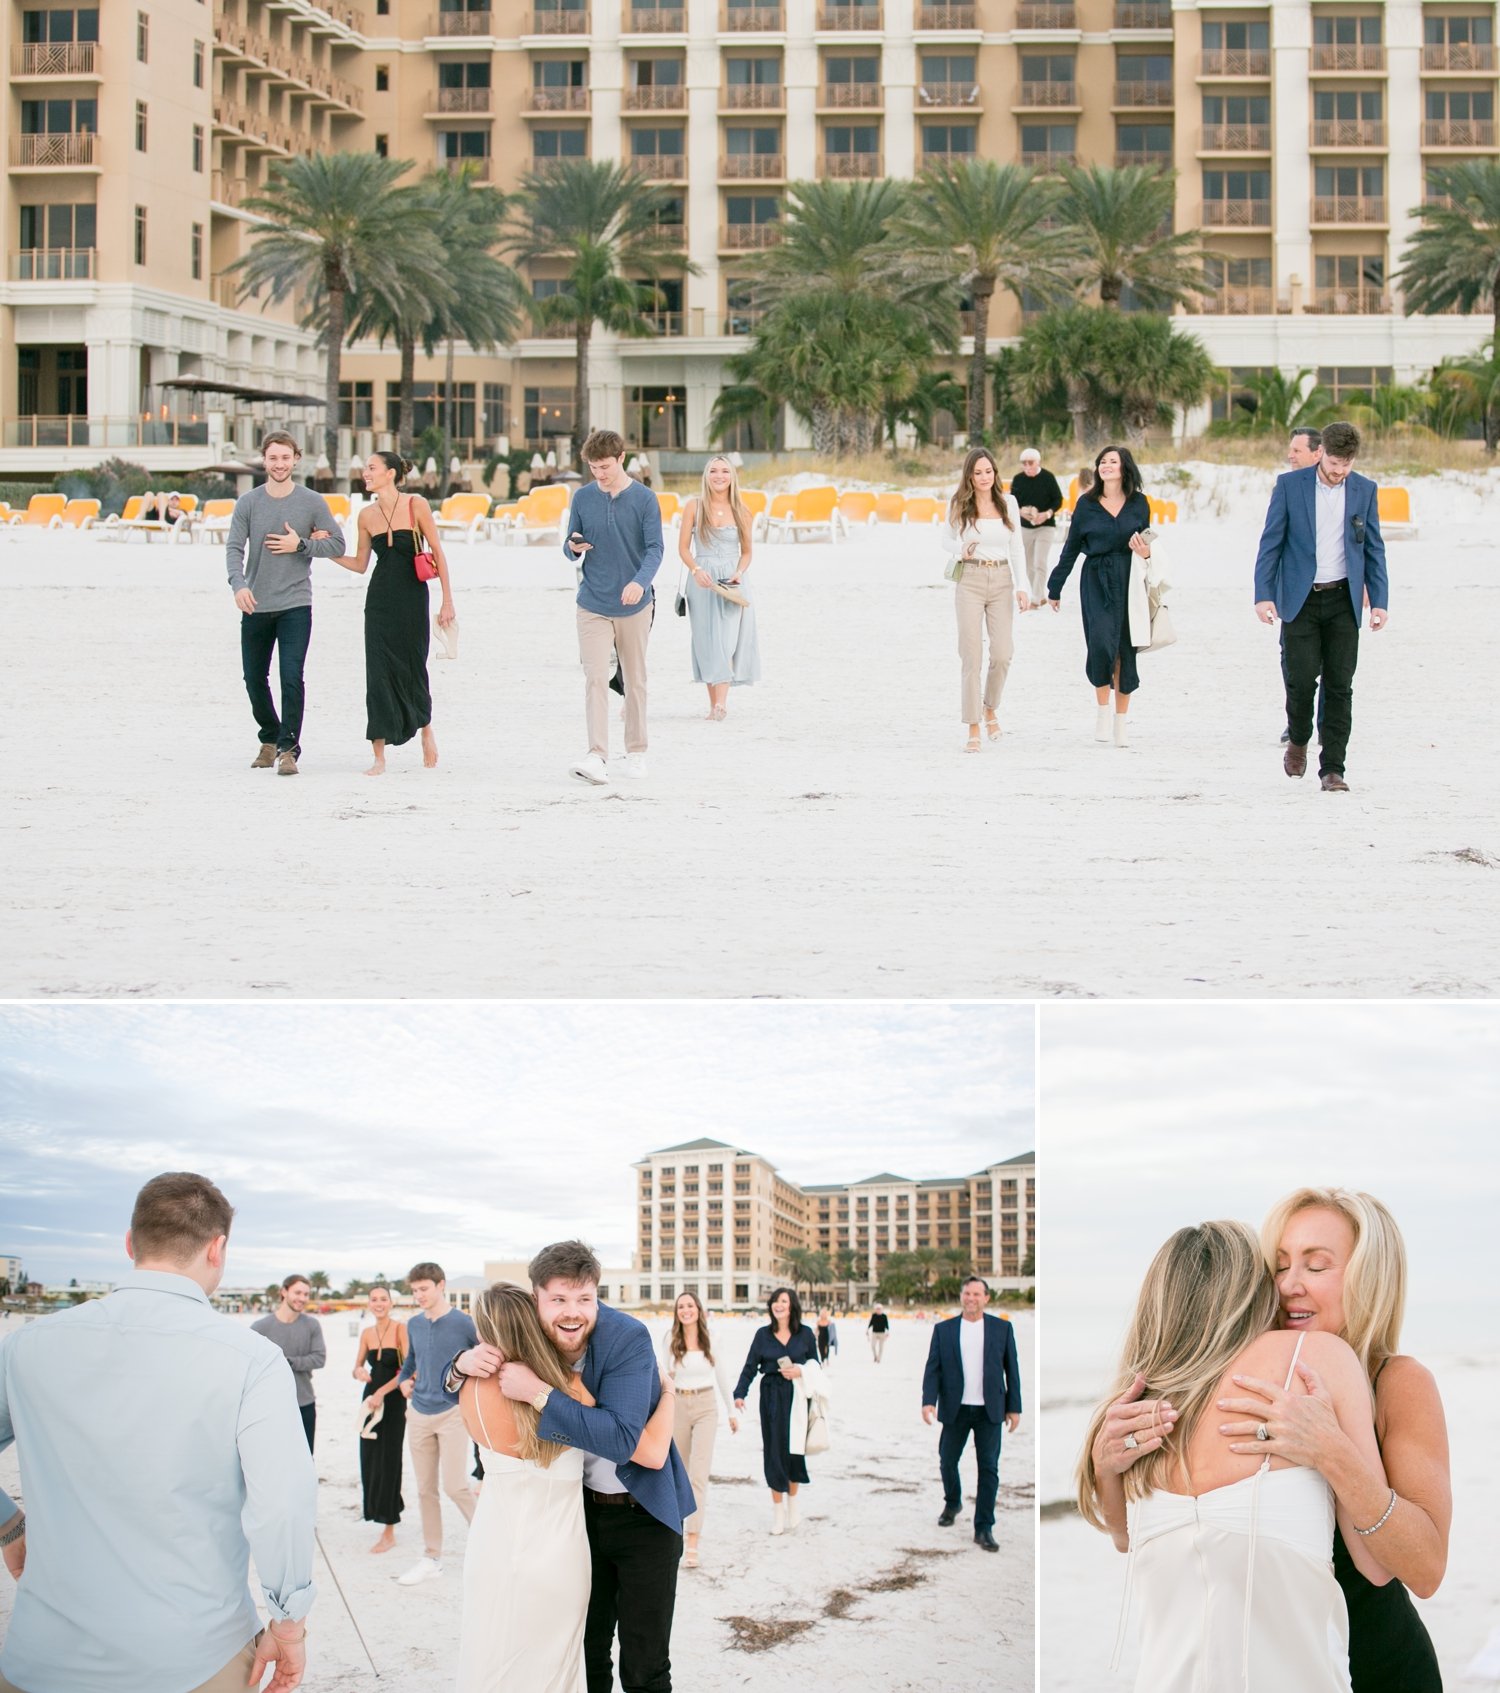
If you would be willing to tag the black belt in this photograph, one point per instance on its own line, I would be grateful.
(1328, 587)
(609, 1498)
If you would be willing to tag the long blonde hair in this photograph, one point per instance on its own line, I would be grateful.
(505, 1317)
(1375, 1276)
(678, 1343)
(1207, 1295)
(703, 530)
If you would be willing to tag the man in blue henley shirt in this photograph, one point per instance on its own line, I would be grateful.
(614, 530)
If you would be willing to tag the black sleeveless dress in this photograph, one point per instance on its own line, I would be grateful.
(398, 700)
(380, 1458)
(1389, 1648)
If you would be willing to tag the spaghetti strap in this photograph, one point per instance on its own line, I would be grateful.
(479, 1412)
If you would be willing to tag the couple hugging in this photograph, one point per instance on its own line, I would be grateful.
(578, 1530)
(1275, 1468)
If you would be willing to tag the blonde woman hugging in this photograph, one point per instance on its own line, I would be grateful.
(984, 538)
(714, 546)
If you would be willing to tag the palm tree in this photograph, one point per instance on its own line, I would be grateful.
(318, 1281)
(925, 1261)
(337, 228)
(1274, 403)
(983, 227)
(1121, 219)
(1467, 390)
(898, 1277)
(1062, 349)
(848, 1267)
(1453, 259)
(1152, 370)
(600, 220)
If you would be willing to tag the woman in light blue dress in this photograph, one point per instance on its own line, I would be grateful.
(714, 545)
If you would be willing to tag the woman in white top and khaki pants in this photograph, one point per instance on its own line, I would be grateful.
(687, 1356)
(984, 538)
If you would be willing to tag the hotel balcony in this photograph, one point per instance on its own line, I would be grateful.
(479, 168)
(938, 95)
(850, 17)
(846, 96)
(752, 97)
(1141, 96)
(1236, 138)
(1041, 96)
(553, 21)
(55, 152)
(1046, 14)
(1045, 159)
(1154, 158)
(748, 237)
(654, 20)
(1229, 301)
(41, 430)
(75, 59)
(847, 166)
(55, 264)
(233, 191)
(463, 23)
(656, 99)
(1361, 301)
(459, 102)
(548, 102)
(1330, 58)
(1459, 132)
(1143, 14)
(1348, 208)
(1228, 62)
(1459, 58)
(1341, 133)
(1236, 214)
(752, 167)
(735, 20)
(661, 167)
(947, 17)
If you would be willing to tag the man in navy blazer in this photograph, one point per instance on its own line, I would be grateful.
(972, 1380)
(1321, 552)
(634, 1515)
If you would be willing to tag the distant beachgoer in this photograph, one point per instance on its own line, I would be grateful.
(1086, 478)
(299, 1334)
(686, 1355)
(878, 1327)
(382, 1352)
(784, 1355)
(827, 1333)
(972, 1382)
(1039, 498)
(714, 545)
(162, 1452)
(1108, 528)
(983, 533)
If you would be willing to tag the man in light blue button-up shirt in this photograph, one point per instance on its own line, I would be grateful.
(160, 1447)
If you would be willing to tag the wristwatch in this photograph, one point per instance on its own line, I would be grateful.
(540, 1402)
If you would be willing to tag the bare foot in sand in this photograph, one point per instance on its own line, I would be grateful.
(385, 1542)
(378, 767)
(429, 750)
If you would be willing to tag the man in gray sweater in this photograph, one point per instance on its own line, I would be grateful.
(300, 1335)
(269, 557)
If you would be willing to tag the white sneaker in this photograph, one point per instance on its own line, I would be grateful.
(425, 1569)
(1121, 731)
(635, 765)
(793, 1515)
(1101, 723)
(591, 769)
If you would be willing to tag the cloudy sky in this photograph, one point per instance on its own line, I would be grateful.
(356, 1138)
(1158, 1116)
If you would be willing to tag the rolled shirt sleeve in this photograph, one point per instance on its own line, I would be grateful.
(281, 1491)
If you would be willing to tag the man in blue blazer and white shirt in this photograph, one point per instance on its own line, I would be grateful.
(971, 1382)
(1321, 551)
(634, 1515)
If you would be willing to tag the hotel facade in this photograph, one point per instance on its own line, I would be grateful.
(720, 1219)
(1302, 132)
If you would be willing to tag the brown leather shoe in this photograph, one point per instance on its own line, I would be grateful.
(286, 763)
(1333, 783)
(266, 757)
(1294, 759)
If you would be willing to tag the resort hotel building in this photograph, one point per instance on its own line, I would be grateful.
(1302, 133)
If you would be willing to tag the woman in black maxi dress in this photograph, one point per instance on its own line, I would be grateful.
(784, 1337)
(382, 1349)
(1102, 532)
(398, 698)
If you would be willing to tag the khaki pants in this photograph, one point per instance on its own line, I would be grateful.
(1037, 545)
(435, 1444)
(598, 637)
(877, 1344)
(985, 599)
(233, 1678)
(695, 1422)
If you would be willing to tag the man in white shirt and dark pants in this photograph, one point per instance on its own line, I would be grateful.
(972, 1382)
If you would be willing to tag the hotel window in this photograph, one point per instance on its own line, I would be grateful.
(59, 26)
(558, 143)
(140, 235)
(1465, 32)
(142, 36)
(669, 1290)
(140, 126)
(196, 252)
(1346, 32)
(197, 64)
(1236, 37)
(948, 141)
(383, 79)
(1349, 182)
(547, 412)
(1048, 143)
(382, 146)
(666, 143)
(460, 144)
(357, 405)
(495, 416)
(1357, 382)
(197, 146)
(1345, 105)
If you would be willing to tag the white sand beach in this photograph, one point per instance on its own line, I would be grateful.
(871, 1595)
(1083, 1577)
(829, 839)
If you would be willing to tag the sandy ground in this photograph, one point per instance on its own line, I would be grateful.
(829, 839)
(890, 1603)
(1083, 1577)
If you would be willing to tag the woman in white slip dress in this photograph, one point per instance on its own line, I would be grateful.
(526, 1563)
(1230, 1567)
(714, 546)
(983, 539)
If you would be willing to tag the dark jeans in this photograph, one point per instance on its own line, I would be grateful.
(309, 1422)
(634, 1560)
(1322, 640)
(1322, 699)
(288, 632)
(971, 1419)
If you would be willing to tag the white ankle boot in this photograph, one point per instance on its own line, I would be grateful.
(793, 1515)
(778, 1518)
(1101, 723)
(1122, 732)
